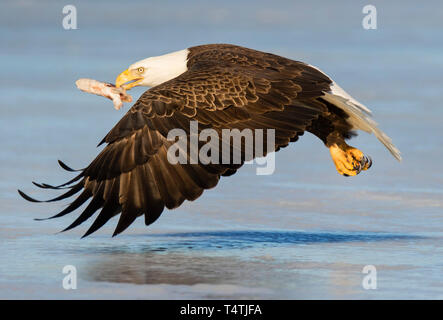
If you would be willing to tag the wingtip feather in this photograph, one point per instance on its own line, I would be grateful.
(26, 197)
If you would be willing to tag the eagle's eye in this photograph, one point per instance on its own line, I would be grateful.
(141, 70)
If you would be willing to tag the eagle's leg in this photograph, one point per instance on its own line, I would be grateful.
(349, 161)
(333, 129)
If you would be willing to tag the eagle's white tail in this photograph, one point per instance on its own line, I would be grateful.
(359, 116)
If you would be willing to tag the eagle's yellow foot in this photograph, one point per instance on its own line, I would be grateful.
(348, 160)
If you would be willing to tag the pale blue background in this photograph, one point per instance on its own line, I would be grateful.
(304, 232)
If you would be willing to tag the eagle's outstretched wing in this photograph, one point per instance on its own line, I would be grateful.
(132, 175)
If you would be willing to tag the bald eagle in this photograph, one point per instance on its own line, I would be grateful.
(221, 86)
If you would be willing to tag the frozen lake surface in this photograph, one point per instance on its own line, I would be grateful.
(304, 232)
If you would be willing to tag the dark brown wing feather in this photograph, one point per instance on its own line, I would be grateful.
(225, 87)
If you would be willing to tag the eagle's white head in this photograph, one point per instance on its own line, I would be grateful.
(153, 71)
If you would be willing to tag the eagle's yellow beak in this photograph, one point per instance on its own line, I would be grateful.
(128, 76)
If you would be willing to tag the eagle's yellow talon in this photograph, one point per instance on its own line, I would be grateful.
(348, 160)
